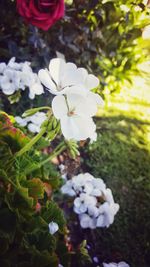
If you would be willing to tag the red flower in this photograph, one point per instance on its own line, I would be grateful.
(41, 13)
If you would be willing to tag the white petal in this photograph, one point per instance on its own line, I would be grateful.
(91, 82)
(53, 228)
(101, 221)
(77, 202)
(70, 66)
(59, 107)
(77, 128)
(57, 67)
(123, 264)
(35, 89)
(7, 87)
(108, 195)
(33, 128)
(96, 98)
(70, 77)
(84, 221)
(21, 121)
(92, 101)
(83, 73)
(45, 78)
(75, 89)
(112, 264)
(2, 67)
(92, 223)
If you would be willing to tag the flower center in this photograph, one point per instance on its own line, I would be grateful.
(71, 112)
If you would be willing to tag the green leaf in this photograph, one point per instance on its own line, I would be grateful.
(35, 188)
(53, 213)
(7, 224)
(44, 259)
(42, 240)
(24, 193)
(82, 254)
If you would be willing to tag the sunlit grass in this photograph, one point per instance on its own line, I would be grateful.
(121, 156)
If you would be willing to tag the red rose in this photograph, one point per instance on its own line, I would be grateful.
(41, 13)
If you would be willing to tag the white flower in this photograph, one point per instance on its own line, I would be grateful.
(33, 122)
(53, 227)
(89, 193)
(15, 76)
(112, 264)
(31, 80)
(64, 77)
(98, 187)
(14, 65)
(93, 211)
(81, 181)
(9, 82)
(21, 121)
(107, 212)
(2, 68)
(82, 203)
(75, 116)
(67, 189)
(86, 221)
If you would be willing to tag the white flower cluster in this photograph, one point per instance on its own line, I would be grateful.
(74, 104)
(15, 76)
(93, 202)
(112, 264)
(32, 122)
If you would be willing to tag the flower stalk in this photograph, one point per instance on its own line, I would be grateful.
(31, 143)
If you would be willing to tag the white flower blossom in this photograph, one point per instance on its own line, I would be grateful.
(33, 122)
(53, 227)
(93, 202)
(75, 116)
(9, 82)
(67, 189)
(63, 77)
(112, 264)
(82, 203)
(74, 104)
(86, 221)
(15, 76)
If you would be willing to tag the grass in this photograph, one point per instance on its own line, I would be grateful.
(121, 156)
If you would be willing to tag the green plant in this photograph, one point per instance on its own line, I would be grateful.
(26, 203)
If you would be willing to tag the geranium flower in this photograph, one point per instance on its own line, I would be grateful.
(67, 189)
(87, 222)
(15, 76)
(33, 122)
(74, 115)
(93, 202)
(107, 212)
(30, 79)
(63, 77)
(9, 82)
(82, 203)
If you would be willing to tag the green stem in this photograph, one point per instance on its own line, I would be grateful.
(61, 147)
(31, 143)
(55, 153)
